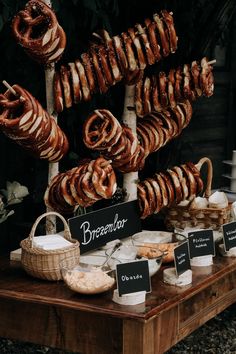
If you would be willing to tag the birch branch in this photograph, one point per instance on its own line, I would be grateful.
(129, 117)
(53, 167)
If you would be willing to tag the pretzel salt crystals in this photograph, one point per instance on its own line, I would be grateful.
(37, 30)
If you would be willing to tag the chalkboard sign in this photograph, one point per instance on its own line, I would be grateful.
(201, 243)
(95, 229)
(132, 277)
(229, 235)
(181, 258)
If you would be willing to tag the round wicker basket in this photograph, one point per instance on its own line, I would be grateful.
(45, 264)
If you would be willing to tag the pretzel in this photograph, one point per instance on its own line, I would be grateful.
(97, 69)
(182, 180)
(146, 45)
(168, 187)
(187, 92)
(206, 78)
(90, 75)
(105, 66)
(36, 28)
(191, 182)
(146, 96)
(195, 71)
(57, 93)
(34, 129)
(101, 130)
(66, 86)
(124, 56)
(155, 95)
(151, 28)
(143, 202)
(81, 198)
(83, 81)
(111, 54)
(168, 20)
(165, 46)
(139, 52)
(132, 63)
(162, 89)
(150, 194)
(82, 185)
(76, 89)
(104, 179)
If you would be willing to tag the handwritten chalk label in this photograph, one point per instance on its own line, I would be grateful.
(95, 229)
(229, 235)
(132, 277)
(181, 258)
(201, 243)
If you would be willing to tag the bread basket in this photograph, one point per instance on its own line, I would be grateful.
(45, 264)
(181, 217)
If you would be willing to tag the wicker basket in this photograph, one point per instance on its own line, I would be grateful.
(184, 217)
(45, 264)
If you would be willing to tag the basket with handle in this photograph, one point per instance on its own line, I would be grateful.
(45, 264)
(181, 217)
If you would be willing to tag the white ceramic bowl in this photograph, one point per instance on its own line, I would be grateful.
(152, 243)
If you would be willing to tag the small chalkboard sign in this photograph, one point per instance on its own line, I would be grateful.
(201, 243)
(181, 258)
(95, 229)
(132, 277)
(229, 235)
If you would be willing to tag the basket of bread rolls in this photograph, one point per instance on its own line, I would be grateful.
(211, 210)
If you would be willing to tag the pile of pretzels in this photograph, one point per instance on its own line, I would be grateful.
(169, 187)
(163, 90)
(37, 30)
(157, 128)
(81, 186)
(103, 132)
(23, 120)
(128, 151)
(113, 59)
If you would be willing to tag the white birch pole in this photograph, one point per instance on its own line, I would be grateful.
(53, 167)
(129, 117)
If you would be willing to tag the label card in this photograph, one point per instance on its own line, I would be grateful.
(95, 229)
(229, 235)
(201, 243)
(132, 277)
(181, 258)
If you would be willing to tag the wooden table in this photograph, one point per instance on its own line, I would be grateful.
(48, 313)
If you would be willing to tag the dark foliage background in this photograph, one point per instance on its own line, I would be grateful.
(199, 24)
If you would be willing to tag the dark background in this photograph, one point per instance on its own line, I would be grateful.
(204, 28)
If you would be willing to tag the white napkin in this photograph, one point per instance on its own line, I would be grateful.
(50, 242)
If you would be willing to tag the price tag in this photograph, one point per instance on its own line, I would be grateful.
(201, 243)
(181, 258)
(132, 277)
(95, 229)
(229, 235)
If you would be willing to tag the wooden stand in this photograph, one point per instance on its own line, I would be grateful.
(50, 314)
(129, 117)
(53, 167)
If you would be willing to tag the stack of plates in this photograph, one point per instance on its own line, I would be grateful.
(231, 177)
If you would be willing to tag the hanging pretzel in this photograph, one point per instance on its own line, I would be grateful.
(36, 28)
